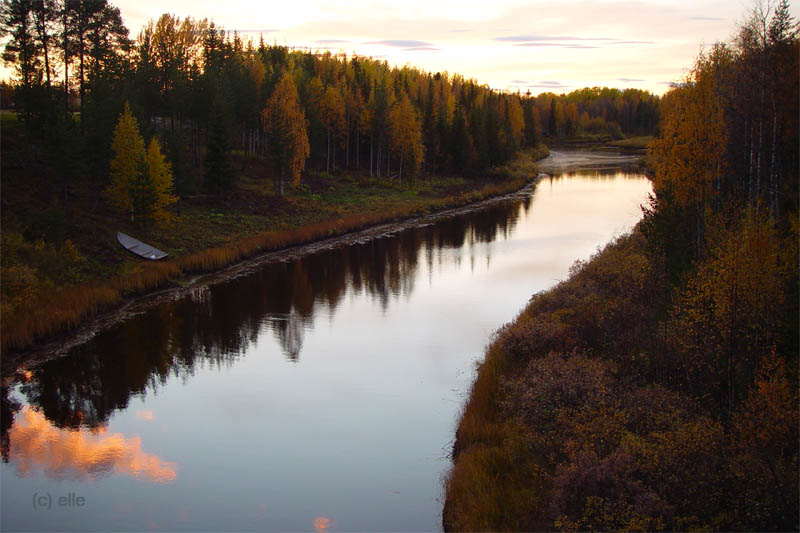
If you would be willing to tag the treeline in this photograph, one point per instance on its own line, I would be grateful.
(214, 101)
(596, 111)
(729, 136)
(657, 388)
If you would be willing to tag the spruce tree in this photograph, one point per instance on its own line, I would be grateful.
(128, 148)
(219, 173)
(141, 181)
(159, 181)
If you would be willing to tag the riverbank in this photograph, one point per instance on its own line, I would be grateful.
(603, 405)
(636, 144)
(206, 238)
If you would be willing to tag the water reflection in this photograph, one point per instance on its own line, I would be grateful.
(321, 388)
(322, 523)
(82, 454)
(215, 325)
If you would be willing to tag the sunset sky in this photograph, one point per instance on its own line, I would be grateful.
(534, 45)
(540, 45)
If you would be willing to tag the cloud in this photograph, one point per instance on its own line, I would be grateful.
(460, 31)
(401, 43)
(706, 18)
(633, 42)
(560, 45)
(548, 84)
(532, 38)
(251, 31)
(330, 41)
(519, 82)
(421, 49)
(549, 87)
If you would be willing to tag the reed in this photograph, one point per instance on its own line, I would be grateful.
(65, 308)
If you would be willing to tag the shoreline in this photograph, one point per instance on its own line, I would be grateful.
(58, 344)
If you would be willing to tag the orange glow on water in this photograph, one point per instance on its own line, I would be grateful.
(322, 523)
(81, 454)
(147, 416)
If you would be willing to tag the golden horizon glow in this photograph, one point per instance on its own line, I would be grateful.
(81, 454)
(510, 45)
(536, 45)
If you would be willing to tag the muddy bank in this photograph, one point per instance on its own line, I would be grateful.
(562, 161)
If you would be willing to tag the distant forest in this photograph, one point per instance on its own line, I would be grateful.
(208, 96)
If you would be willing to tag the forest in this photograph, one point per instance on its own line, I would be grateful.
(657, 387)
(202, 140)
(203, 92)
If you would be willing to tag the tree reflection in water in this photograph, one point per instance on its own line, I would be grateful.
(214, 325)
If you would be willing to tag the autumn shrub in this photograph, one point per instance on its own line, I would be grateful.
(533, 335)
(497, 487)
(728, 312)
(764, 440)
(594, 493)
(581, 383)
(554, 382)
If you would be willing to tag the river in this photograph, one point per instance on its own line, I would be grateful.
(314, 393)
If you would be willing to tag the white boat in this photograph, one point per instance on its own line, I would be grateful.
(139, 248)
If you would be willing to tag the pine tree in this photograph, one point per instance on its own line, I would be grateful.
(127, 146)
(219, 173)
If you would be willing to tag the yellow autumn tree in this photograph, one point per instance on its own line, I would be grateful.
(160, 181)
(729, 311)
(127, 146)
(141, 181)
(688, 157)
(332, 115)
(406, 135)
(516, 120)
(287, 138)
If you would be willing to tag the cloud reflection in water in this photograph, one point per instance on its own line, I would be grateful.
(82, 454)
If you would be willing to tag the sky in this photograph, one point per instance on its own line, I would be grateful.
(534, 45)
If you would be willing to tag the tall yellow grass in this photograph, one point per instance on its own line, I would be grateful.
(67, 307)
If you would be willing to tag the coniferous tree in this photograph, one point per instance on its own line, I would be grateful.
(287, 139)
(127, 146)
(219, 172)
(141, 181)
(159, 181)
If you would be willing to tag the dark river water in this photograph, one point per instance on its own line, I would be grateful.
(320, 393)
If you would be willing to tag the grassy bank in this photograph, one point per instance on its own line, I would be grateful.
(596, 409)
(602, 142)
(632, 143)
(62, 265)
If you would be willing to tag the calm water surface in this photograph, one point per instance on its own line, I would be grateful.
(316, 394)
